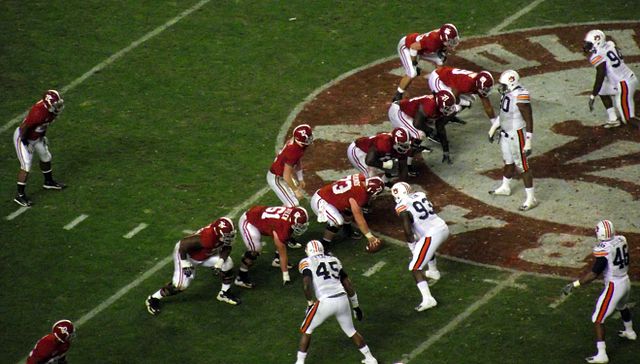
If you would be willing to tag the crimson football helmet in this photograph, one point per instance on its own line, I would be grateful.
(401, 140)
(303, 135)
(449, 35)
(593, 41)
(314, 247)
(224, 229)
(605, 230)
(484, 83)
(375, 185)
(64, 331)
(52, 101)
(299, 220)
(446, 102)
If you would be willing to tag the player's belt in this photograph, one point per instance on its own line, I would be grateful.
(337, 295)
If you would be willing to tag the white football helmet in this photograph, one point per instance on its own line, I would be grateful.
(509, 80)
(593, 41)
(400, 190)
(314, 247)
(605, 230)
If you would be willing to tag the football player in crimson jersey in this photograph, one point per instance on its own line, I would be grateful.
(209, 247)
(340, 202)
(432, 47)
(382, 153)
(53, 347)
(278, 222)
(30, 137)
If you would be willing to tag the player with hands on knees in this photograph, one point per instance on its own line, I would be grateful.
(329, 292)
(611, 254)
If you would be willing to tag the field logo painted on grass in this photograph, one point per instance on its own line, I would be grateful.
(583, 172)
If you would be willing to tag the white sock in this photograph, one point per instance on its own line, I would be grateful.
(409, 160)
(432, 264)
(506, 182)
(611, 113)
(424, 289)
(243, 269)
(225, 287)
(602, 347)
(159, 296)
(366, 352)
(628, 325)
(530, 195)
(301, 356)
(400, 90)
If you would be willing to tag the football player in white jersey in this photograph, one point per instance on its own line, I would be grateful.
(614, 79)
(612, 261)
(424, 232)
(516, 134)
(333, 292)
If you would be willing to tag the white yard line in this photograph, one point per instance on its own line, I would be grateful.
(505, 23)
(188, 231)
(374, 269)
(16, 213)
(75, 222)
(453, 324)
(141, 226)
(97, 68)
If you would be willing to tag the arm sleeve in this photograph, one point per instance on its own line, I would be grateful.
(599, 265)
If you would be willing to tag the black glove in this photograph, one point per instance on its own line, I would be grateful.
(446, 158)
(418, 70)
(187, 271)
(442, 54)
(357, 313)
(397, 97)
(591, 101)
(566, 290)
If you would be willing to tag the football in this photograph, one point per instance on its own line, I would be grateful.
(374, 246)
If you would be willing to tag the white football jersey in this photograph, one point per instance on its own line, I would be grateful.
(325, 270)
(616, 252)
(511, 118)
(424, 217)
(617, 70)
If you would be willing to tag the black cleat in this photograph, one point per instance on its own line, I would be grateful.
(153, 305)
(457, 120)
(228, 298)
(397, 97)
(22, 200)
(413, 172)
(53, 185)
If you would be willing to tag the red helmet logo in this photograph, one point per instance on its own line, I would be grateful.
(303, 135)
(449, 35)
(63, 330)
(224, 229)
(52, 101)
(484, 83)
(401, 140)
(446, 102)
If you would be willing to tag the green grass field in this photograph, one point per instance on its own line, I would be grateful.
(181, 130)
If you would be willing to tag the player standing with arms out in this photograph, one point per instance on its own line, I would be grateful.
(324, 278)
(285, 177)
(432, 47)
(53, 347)
(516, 134)
(613, 79)
(612, 261)
(278, 222)
(424, 232)
(340, 202)
(30, 137)
(209, 247)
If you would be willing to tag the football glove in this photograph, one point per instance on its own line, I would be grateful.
(566, 290)
(187, 268)
(527, 144)
(592, 99)
(357, 313)
(495, 125)
(285, 278)
(418, 70)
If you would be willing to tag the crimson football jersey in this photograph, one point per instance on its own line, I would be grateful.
(383, 143)
(429, 42)
(46, 349)
(428, 103)
(290, 154)
(462, 81)
(210, 242)
(37, 121)
(339, 192)
(269, 219)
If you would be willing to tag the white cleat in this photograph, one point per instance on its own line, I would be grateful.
(427, 304)
(631, 335)
(528, 205)
(432, 274)
(611, 124)
(369, 361)
(501, 191)
(598, 359)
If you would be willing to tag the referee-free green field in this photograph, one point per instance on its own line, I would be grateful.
(176, 126)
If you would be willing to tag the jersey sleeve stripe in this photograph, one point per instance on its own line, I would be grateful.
(399, 209)
(600, 254)
(523, 97)
(596, 59)
(302, 266)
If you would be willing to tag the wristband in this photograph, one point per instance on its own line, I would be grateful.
(413, 52)
(354, 300)
(299, 175)
(285, 276)
(576, 283)
(369, 235)
(387, 164)
(592, 97)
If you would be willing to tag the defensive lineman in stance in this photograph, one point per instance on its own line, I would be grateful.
(516, 122)
(612, 260)
(424, 232)
(333, 291)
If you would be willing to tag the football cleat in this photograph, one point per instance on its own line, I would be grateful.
(427, 304)
(457, 120)
(413, 171)
(356, 234)
(293, 245)
(53, 185)
(244, 283)
(370, 361)
(153, 305)
(501, 191)
(598, 359)
(528, 205)
(22, 200)
(631, 335)
(228, 298)
(276, 263)
(432, 274)
(611, 124)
